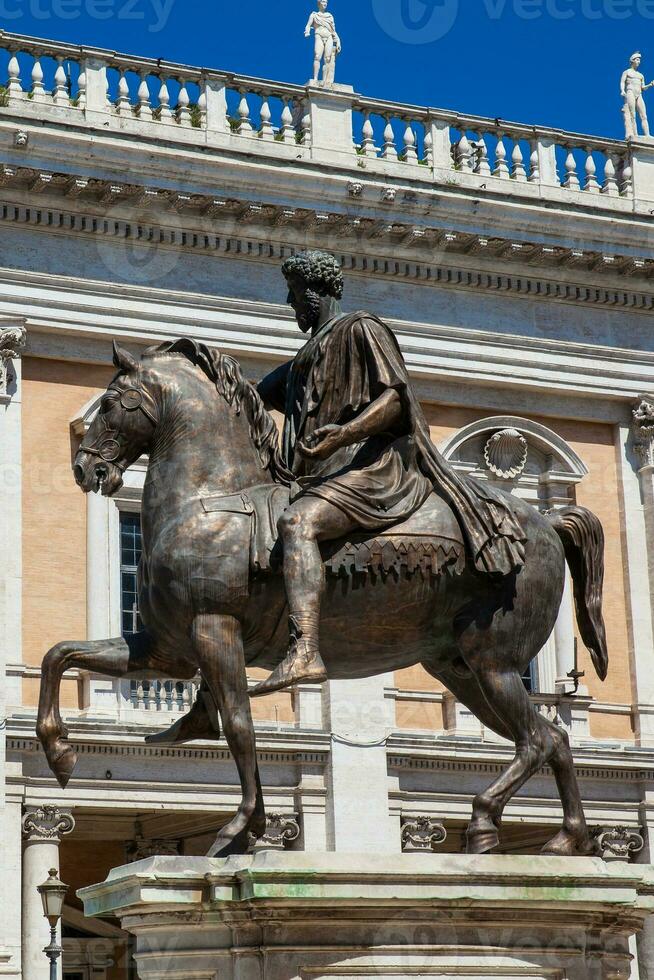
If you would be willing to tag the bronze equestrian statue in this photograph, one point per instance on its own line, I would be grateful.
(357, 532)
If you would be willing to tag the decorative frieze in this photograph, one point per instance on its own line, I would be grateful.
(422, 834)
(281, 830)
(47, 823)
(12, 344)
(619, 844)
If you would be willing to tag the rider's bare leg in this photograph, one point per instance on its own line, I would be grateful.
(302, 527)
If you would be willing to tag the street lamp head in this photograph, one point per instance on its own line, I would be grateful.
(53, 893)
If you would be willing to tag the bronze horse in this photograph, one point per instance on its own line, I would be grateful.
(209, 439)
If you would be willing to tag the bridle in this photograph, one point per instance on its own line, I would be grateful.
(132, 399)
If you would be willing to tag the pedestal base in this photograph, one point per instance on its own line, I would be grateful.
(280, 916)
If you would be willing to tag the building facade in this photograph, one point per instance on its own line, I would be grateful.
(144, 200)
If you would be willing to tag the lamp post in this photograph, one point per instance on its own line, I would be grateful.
(53, 892)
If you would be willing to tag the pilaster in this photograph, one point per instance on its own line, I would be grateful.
(43, 828)
(635, 457)
(11, 872)
(13, 337)
(357, 714)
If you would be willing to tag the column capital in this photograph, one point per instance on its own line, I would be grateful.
(13, 338)
(643, 429)
(47, 824)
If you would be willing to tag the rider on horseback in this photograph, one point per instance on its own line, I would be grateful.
(358, 445)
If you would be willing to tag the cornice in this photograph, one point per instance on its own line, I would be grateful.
(381, 247)
(308, 748)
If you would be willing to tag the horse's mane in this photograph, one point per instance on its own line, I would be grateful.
(226, 373)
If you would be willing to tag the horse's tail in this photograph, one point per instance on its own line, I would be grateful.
(582, 536)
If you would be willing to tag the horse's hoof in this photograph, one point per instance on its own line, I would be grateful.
(566, 844)
(482, 842)
(224, 846)
(63, 765)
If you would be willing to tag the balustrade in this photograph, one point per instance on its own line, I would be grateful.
(81, 83)
(162, 696)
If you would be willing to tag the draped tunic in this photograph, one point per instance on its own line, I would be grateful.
(349, 363)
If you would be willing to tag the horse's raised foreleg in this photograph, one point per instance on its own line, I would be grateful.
(117, 657)
(219, 649)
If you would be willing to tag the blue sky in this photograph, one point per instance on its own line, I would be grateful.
(547, 62)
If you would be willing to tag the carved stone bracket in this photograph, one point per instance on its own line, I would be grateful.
(644, 430)
(12, 344)
(619, 843)
(422, 834)
(281, 830)
(47, 823)
(142, 847)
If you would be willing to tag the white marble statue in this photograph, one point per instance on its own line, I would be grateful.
(328, 43)
(632, 87)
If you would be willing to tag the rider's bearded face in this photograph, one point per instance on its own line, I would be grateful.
(305, 302)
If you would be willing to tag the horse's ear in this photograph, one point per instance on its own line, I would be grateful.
(123, 359)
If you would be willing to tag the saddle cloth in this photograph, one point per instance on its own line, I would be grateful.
(430, 542)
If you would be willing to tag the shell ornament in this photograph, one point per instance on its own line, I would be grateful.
(506, 453)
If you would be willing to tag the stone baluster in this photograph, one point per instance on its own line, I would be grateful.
(482, 163)
(123, 104)
(245, 126)
(43, 828)
(202, 106)
(266, 131)
(368, 148)
(81, 88)
(627, 182)
(571, 181)
(14, 87)
(389, 151)
(144, 107)
(306, 124)
(591, 186)
(610, 186)
(518, 172)
(164, 111)
(429, 148)
(534, 163)
(183, 103)
(501, 167)
(410, 153)
(464, 155)
(288, 129)
(38, 90)
(61, 96)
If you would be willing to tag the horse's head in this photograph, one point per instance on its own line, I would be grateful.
(121, 431)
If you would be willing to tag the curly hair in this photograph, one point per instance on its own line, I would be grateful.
(320, 271)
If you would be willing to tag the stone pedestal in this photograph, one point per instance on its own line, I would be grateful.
(282, 916)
